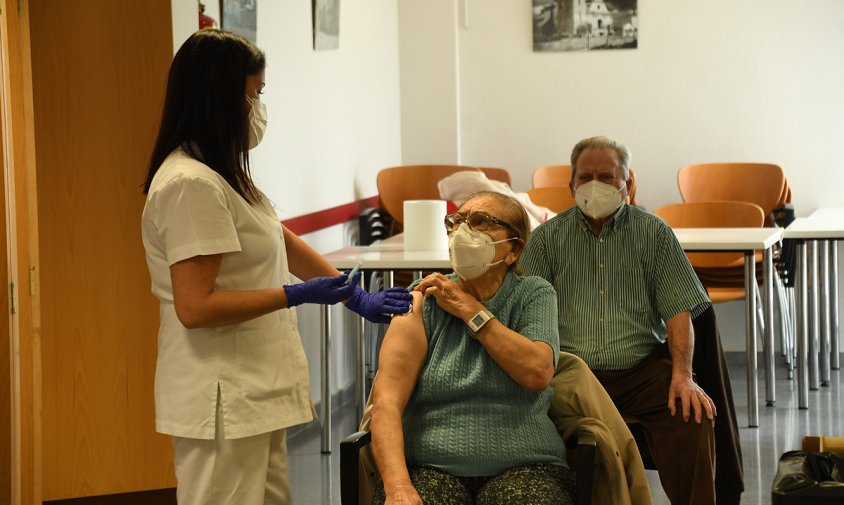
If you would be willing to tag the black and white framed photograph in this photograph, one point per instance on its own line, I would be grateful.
(241, 17)
(585, 25)
(326, 24)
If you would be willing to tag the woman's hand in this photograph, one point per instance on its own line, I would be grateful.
(450, 296)
(403, 494)
(322, 290)
(381, 306)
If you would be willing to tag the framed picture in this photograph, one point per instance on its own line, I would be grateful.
(240, 17)
(326, 21)
(585, 25)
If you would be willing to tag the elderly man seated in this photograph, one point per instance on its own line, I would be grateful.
(624, 287)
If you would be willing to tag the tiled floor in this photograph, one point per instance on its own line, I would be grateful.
(315, 477)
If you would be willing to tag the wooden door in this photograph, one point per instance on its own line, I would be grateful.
(98, 75)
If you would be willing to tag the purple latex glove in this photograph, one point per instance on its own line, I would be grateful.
(322, 290)
(378, 307)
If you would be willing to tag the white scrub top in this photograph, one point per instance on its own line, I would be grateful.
(259, 366)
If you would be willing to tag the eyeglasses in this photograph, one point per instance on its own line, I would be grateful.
(477, 221)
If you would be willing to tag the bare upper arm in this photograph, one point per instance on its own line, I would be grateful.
(193, 279)
(402, 356)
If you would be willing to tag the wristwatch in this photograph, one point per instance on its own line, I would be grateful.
(478, 321)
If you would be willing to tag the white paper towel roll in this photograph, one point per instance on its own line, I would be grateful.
(423, 225)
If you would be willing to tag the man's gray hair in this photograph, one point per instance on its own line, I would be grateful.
(601, 142)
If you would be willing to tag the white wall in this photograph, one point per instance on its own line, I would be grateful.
(429, 74)
(334, 121)
(756, 80)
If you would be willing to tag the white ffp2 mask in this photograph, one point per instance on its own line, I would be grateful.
(597, 199)
(471, 252)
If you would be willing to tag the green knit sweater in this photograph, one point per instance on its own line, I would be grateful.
(466, 415)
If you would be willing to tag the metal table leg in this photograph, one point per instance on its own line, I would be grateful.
(360, 355)
(801, 334)
(814, 316)
(750, 327)
(325, 351)
(833, 302)
(824, 313)
(768, 302)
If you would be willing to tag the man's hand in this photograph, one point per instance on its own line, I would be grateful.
(690, 395)
(403, 494)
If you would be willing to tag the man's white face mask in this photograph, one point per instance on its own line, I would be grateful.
(257, 121)
(597, 199)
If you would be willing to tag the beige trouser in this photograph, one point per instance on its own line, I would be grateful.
(245, 471)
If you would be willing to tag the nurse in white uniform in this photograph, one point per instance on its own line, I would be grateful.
(231, 372)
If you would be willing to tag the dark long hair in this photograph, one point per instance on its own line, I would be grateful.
(205, 108)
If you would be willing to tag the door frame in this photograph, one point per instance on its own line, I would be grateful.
(18, 139)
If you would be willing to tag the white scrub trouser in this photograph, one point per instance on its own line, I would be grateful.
(243, 471)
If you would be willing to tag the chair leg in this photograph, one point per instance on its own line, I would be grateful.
(785, 327)
(586, 448)
(350, 465)
(781, 317)
(760, 314)
(785, 297)
(789, 314)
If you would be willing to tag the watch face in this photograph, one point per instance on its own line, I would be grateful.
(478, 319)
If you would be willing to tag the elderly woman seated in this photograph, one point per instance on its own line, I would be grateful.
(460, 407)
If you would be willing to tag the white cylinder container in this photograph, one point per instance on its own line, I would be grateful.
(423, 225)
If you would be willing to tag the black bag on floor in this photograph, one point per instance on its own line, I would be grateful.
(809, 478)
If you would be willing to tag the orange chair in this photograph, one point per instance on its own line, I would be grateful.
(560, 176)
(552, 175)
(721, 214)
(761, 183)
(723, 273)
(555, 198)
(419, 182)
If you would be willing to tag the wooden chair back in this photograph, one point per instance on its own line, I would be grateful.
(551, 175)
(720, 214)
(761, 183)
(555, 198)
(419, 182)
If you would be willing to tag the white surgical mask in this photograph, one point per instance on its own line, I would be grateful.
(257, 121)
(471, 252)
(597, 199)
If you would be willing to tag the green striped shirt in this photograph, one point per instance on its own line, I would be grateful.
(614, 291)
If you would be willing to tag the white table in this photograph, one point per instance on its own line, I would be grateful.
(389, 255)
(825, 226)
(746, 241)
